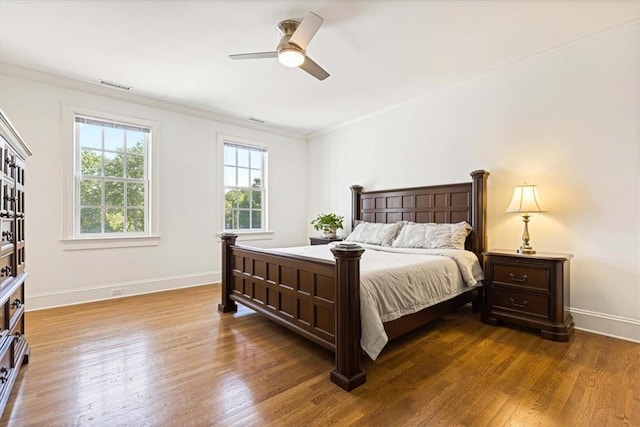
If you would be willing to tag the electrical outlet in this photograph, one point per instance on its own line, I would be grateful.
(116, 291)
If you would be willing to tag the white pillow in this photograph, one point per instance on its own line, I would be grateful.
(411, 236)
(433, 236)
(374, 233)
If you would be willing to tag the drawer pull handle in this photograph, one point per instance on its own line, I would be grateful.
(4, 372)
(7, 235)
(18, 336)
(515, 304)
(5, 271)
(16, 303)
(518, 279)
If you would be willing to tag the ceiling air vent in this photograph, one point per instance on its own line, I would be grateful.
(114, 85)
(253, 119)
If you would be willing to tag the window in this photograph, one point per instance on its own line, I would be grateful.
(244, 187)
(111, 178)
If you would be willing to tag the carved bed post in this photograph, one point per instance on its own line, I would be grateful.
(479, 218)
(355, 204)
(227, 304)
(479, 212)
(347, 373)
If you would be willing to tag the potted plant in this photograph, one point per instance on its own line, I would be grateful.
(328, 223)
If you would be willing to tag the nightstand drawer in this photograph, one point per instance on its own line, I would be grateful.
(523, 302)
(521, 275)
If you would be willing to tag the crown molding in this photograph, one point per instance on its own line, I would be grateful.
(94, 88)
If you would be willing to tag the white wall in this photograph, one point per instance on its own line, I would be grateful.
(190, 210)
(567, 120)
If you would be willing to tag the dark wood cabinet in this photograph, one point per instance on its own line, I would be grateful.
(14, 347)
(528, 290)
(323, 241)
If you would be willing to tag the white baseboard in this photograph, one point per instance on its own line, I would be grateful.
(620, 327)
(40, 301)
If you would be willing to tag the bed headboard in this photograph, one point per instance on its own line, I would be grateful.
(447, 203)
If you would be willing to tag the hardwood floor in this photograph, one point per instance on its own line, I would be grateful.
(169, 359)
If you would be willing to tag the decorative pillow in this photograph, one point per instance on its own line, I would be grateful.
(374, 233)
(448, 236)
(411, 236)
(433, 236)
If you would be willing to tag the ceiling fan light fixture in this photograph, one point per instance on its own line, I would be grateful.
(291, 57)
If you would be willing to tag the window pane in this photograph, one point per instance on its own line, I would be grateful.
(90, 220)
(113, 139)
(243, 157)
(256, 178)
(243, 219)
(230, 199)
(135, 194)
(243, 198)
(135, 166)
(90, 135)
(256, 199)
(90, 192)
(230, 176)
(135, 142)
(135, 220)
(243, 177)
(230, 219)
(113, 193)
(113, 164)
(229, 155)
(91, 162)
(256, 219)
(256, 159)
(113, 220)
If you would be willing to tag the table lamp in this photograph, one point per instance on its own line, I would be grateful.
(525, 200)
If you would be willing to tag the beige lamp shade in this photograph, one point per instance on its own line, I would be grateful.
(525, 199)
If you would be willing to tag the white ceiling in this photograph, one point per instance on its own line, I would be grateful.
(379, 53)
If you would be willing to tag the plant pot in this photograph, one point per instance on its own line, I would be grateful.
(329, 233)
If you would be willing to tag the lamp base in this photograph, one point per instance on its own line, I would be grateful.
(525, 247)
(527, 251)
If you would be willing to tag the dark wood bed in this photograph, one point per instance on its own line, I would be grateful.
(320, 299)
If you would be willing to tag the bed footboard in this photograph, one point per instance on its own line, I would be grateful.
(317, 299)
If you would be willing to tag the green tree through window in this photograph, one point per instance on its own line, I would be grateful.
(112, 185)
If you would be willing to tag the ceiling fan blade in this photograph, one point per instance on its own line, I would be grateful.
(314, 69)
(306, 30)
(257, 55)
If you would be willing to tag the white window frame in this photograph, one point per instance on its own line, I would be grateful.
(245, 234)
(72, 239)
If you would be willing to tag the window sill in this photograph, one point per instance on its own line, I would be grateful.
(248, 236)
(109, 242)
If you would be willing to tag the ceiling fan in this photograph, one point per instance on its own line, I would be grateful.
(293, 44)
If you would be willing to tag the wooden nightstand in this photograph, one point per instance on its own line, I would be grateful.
(528, 290)
(323, 241)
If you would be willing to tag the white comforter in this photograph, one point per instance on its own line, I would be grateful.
(395, 282)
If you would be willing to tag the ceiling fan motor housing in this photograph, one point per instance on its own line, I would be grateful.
(289, 54)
